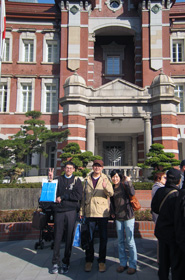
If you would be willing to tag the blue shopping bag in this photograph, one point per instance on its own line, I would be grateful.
(77, 236)
(48, 192)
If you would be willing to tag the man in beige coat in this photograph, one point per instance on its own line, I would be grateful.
(95, 207)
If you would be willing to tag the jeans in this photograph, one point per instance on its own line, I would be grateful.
(128, 227)
(102, 229)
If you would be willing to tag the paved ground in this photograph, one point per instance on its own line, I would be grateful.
(20, 261)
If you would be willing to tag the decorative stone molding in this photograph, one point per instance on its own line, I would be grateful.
(114, 5)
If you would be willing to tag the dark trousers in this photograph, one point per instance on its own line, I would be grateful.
(63, 221)
(102, 229)
(170, 255)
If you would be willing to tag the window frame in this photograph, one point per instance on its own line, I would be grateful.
(177, 42)
(53, 37)
(20, 83)
(6, 81)
(50, 82)
(27, 36)
(9, 38)
(182, 100)
(113, 50)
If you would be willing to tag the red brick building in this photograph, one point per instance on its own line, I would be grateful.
(112, 72)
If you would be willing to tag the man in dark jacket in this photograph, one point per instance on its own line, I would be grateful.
(163, 203)
(69, 193)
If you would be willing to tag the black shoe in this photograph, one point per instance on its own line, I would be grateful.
(64, 269)
(54, 269)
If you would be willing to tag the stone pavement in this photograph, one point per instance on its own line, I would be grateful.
(20, 261)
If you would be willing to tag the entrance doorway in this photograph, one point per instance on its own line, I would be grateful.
(114, 153)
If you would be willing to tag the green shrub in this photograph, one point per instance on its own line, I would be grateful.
(143, 215)
(143, 185)
(9, 216)
(22, 185)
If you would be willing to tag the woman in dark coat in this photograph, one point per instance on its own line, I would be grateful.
(123, 213)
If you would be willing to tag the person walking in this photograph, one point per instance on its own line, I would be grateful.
(123, 213)
(164, 204)
(182, 168)
(95, 207)
(159, 182)
(69, 193)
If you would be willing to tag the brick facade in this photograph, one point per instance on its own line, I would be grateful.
(116, 67)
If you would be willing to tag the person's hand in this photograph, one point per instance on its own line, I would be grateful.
(127, 178)
(58, 199)
(113, 216)
(104, 184)
(51, 174)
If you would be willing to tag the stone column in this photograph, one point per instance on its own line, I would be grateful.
(90, 135)
(134, 151)
(147, 135)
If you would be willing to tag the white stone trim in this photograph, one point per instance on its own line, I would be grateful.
(171, 151)
(5, 136)
(164, 113)
(29, 23)
(10, 125)
(74, 113)
(76, 138)
(80, 25)
(74, 125)
(164, 125)
(64, 59)
(165, 138)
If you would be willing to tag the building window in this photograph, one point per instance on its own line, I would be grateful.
(51, 47)
(179, 92)
(52, 51)
(51, 158)
(178, 50)
(113, 55)
(25, 94)
(26, 97)
(28, 50)
(113, 65)
(6, 55)
(51, 98)
(3, 98)
(49, 101)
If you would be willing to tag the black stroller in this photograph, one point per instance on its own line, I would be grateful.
(47, 226)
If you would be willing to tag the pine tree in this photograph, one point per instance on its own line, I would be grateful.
(30, 139)
(73, 153)
(158, 159)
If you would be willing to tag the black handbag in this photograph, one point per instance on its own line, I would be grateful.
(39, 220)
